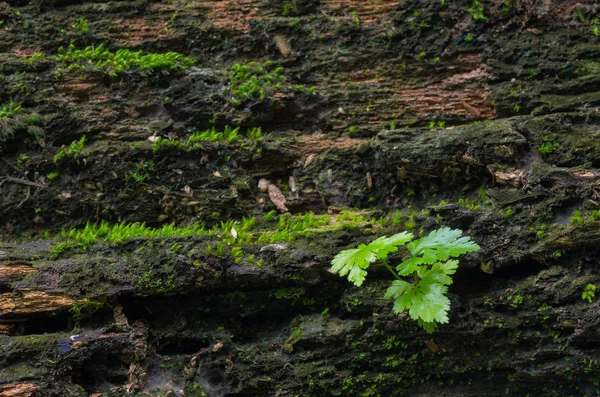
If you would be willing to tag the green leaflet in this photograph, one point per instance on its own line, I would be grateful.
(354, 261)
(442, 244)
(425, 298)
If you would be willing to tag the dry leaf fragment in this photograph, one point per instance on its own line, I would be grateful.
(282, 45)
(234, 232)
(119, 317)
(188, 190)
(432, 346)
(487, 267)
(263, 185)
(512, 177)
(217, 347)
(277, 198)
(309, 158)
(292, 183)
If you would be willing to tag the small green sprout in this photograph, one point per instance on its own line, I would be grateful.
(576, 218)
(588, 293)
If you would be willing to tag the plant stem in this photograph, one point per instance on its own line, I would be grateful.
(390, 269)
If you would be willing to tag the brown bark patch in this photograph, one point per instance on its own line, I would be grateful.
(7, 270)
(315, 144)
(367, 11)
(233, 15)
(469, 102)
(135, 31)
(17, 390)
(29, 301)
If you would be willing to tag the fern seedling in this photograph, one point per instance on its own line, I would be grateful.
(428, 271)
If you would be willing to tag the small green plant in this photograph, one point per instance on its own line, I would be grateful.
(410, 224)
(429, 267)
(197, 138)
(508, 213)
(476, 11)
(141, 173)
(541, 231)
(270, 215)
(166, 144)
(35, 58)
(595, 29)
(515, 301)
(82, 25)
(547, 147)
(74, 150)
(421, 55)
(352, 130)
(290, 8)
(580, 14)
(482, 193)
(9, 110)
(255, 134)
(517, 108)
(576, 218)
(507, 6)
(588, 293)
(52, 176)
(472, 205)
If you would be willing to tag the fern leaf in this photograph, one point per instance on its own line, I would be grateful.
(425, 301)
(354, 262)
(429, 327)
(384, 245)
(430, 303)
(442, 244)
(409, 266)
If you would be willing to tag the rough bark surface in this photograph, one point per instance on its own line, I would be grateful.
(421, 117)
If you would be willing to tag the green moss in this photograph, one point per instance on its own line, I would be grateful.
(84, 309)
(101, 59)
(252, 81)
(196, 139)
(292, 293)
(155, 282)
(121, 232)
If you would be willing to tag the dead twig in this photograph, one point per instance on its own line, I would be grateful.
(22, 182)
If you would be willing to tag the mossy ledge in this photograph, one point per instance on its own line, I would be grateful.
(175, 182)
